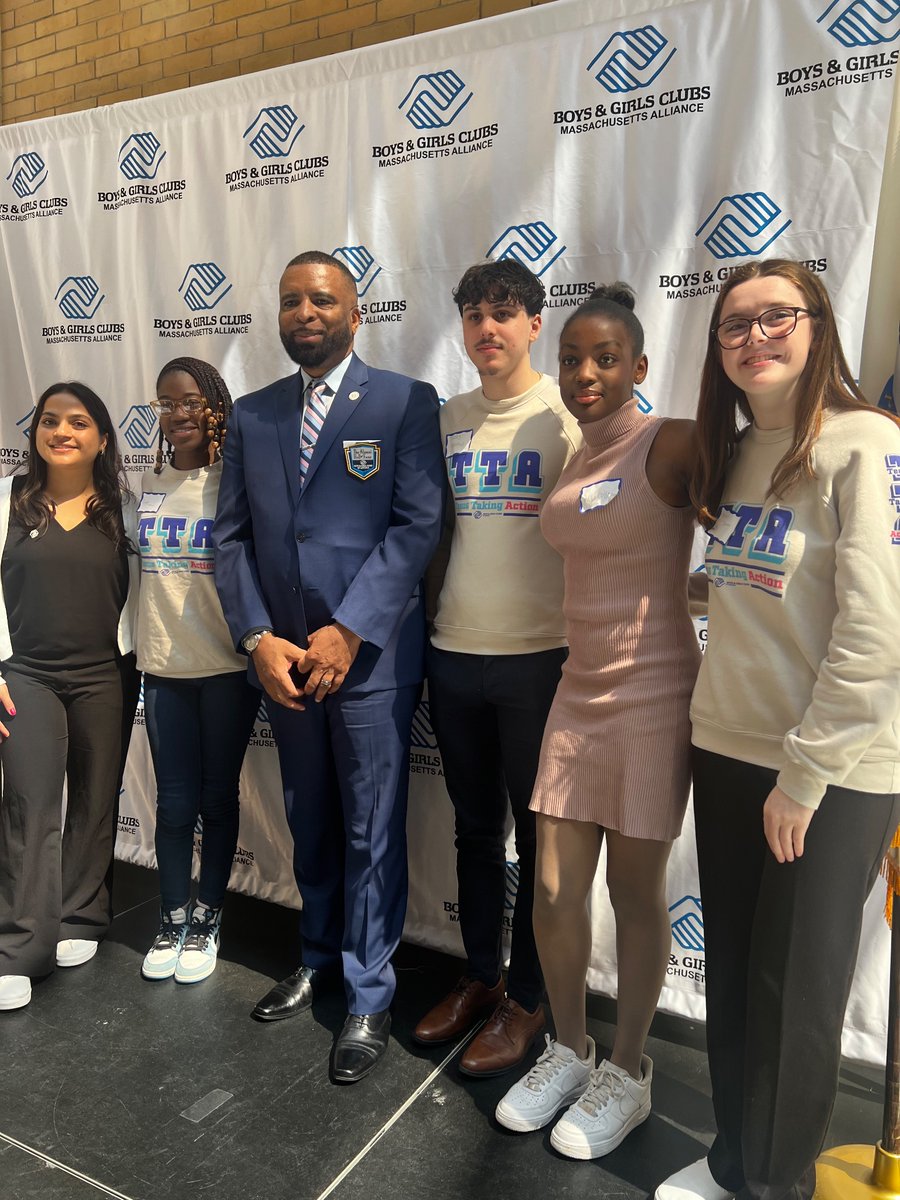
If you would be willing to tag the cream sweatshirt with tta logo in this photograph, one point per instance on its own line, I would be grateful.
(802, 668)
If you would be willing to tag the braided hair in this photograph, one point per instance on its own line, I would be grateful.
(219, 404)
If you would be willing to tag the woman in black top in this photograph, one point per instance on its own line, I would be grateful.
(68, 576)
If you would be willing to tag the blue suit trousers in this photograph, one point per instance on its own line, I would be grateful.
(345, 772)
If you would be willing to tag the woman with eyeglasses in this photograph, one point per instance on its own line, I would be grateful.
(795, 718)
(68, 593)
(198, 704)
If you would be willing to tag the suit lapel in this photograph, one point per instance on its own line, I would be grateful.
(287, 420)
(354, 384)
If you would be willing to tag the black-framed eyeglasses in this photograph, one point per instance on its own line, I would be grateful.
(192, 405)
(775, 323)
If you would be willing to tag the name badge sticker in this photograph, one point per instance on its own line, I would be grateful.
(363, 459)
(598, 495)
(725, 525)
(151, 502)
(456, 443)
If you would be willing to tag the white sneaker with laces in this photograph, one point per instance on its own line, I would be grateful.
(200, 948)
(161, 959)
(613, 1103)
(15, 991)
(692, 1183)
(557, 1078)
(72, 952)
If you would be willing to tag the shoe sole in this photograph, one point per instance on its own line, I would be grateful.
(153, 976)
(584, 1150)
(11, 1005)
(194, 977)
(283, 1016)
(77, 960)
(520, 1124)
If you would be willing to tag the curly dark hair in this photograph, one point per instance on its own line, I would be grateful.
(214, 391)
(29, 505)
(503, 282)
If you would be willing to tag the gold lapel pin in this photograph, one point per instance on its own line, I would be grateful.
(354, 396)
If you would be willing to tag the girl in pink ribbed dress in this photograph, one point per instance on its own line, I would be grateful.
(615, 755)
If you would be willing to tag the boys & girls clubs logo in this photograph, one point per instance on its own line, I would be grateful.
(27, 175)
(739, 226)
(79, 299)
(139, 159)
(625, 67)
(270, 137)
(867, 29)
(424, 756)
(687, 959)
(203, 287)
(433, 103)
(365, 270)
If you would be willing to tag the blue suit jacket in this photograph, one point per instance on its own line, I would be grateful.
(353, 544)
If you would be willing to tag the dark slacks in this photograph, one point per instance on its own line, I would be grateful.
(72, 727)
(488, 713)
(198, 731)
(781, 946)
(345, 773)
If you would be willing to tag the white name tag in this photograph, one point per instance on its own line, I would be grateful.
(456, 443)
(597, 495)
(151, 502)
(725, 526)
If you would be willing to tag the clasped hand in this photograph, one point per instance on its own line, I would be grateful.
(332, 650)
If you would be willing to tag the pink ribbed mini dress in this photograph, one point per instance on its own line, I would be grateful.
(616, 748)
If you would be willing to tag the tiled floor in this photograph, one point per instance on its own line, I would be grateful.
(97, 1073)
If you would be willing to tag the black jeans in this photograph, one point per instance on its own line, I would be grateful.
(781, 946)
(488, 714)
(73, 727)
(198, 731)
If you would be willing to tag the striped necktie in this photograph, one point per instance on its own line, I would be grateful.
(314, 413)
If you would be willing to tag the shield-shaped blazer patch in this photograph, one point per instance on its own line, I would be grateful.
(363, 458)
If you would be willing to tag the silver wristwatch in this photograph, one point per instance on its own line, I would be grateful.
(252, 640)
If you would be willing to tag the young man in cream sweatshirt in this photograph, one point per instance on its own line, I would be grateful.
(497, 649)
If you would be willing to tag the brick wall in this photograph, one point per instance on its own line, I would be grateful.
(58, 56)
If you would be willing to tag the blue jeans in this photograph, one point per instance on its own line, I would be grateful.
(198, 731)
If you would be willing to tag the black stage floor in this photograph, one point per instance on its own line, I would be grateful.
(101, 1072)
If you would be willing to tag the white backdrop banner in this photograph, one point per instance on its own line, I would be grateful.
(659, 142)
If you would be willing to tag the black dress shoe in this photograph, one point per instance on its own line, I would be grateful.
(294, 994)
(359, 1046)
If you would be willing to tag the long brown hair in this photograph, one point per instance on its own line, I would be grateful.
(826, 383)
(30, 506)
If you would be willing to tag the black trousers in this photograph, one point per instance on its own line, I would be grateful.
(70, 726)
(488, 714)
(781, 946)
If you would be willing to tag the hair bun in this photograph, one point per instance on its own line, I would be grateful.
(616, 293)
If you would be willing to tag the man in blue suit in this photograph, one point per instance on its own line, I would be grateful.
(329, 510)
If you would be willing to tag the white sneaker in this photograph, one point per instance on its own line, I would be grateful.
(200, 949)
(15, 991)
(161, 959)
(692, 1183)
(557, 1078)
(74, 951)
(613, 1103)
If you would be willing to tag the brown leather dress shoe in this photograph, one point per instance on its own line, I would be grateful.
(504, 1040)
(469, 1001)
